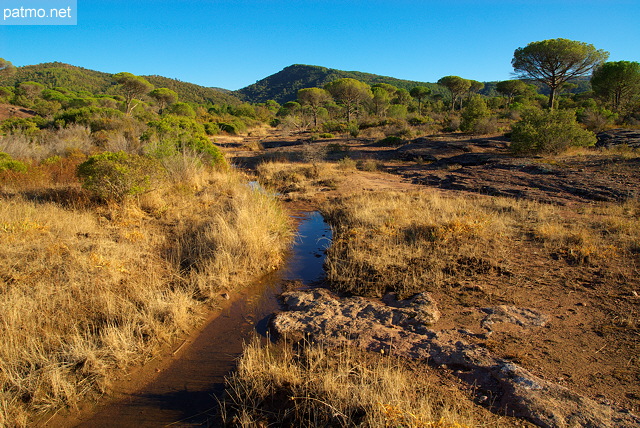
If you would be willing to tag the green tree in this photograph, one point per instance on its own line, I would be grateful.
(457, 86)
(475, 110)
(402, 97)
(555, 61)
(549, 131)
(420, 93)
(31, 90)
(351, 93)
(131, 87)
(315, 98)
(164, 97)
(475, 87)
(6, 68)
(182, 109)
(380, 101)
(511, 88)
(617, 82)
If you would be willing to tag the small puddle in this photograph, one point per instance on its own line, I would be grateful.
(183, 395)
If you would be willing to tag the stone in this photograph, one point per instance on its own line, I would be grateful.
(400, 328)
(614, 137)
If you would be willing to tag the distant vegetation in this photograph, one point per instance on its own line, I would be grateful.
(284, 85)
(60, 75)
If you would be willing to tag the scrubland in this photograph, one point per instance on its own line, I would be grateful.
(471, 250)
(88, 287)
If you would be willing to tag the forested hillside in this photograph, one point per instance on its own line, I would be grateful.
(61, 75)
(284, 85)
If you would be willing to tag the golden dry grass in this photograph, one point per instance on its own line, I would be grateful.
(410, 242)
(299, 180)
(312, 386)
(90, 289)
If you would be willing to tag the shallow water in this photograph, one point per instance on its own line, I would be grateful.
(183, 395)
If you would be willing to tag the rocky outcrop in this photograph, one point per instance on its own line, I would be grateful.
(615, 137)
(404, 328)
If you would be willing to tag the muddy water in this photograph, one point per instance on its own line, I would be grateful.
(183, 394)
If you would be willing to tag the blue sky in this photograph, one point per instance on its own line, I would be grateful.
(233, 43)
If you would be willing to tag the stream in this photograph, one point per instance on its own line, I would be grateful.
(183, 394)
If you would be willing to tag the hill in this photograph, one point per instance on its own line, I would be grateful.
(284, 85)
(57, 74)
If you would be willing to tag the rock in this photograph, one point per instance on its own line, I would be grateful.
(421, 306)
(614, 137)
(522, 317)
(469, 159)
(400, 328)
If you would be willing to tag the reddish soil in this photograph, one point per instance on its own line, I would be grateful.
(9, 110)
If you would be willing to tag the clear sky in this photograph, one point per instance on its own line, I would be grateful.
(233, 43)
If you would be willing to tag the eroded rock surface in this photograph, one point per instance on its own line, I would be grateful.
(404, 329)
(615, 137)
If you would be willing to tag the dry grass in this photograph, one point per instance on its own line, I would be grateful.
(299, 180)
(312, 386)
(412, 242)
(406, 242)
(595, 234)
(86, 289)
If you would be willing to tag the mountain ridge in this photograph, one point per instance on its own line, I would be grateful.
(283, 86)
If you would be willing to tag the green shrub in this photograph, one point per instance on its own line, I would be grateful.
(346, 164)
(182, 109)
(24, 126)
(548, 132)
(7, 163)
(354, 129)
(326, 135)
(176, 134)
(391, 141)
(211, 128)
(475, 111)
(234, 127)
(333, 126)
(117, 175)
(368, 165)
(420, 120)
(97, 118)
(337, 148)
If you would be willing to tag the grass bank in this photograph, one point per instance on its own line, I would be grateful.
(88, 288)
(308, 385)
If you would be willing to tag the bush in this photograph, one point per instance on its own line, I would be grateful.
(475, 111)
(117, 175)
(211, 128)
(326, 135)
(9, 164)
(172, 135)
(391, 141)
(97, 118)
(24, 126)
(333, 126)
(420, 120)
(234, 127)
(549, 132)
